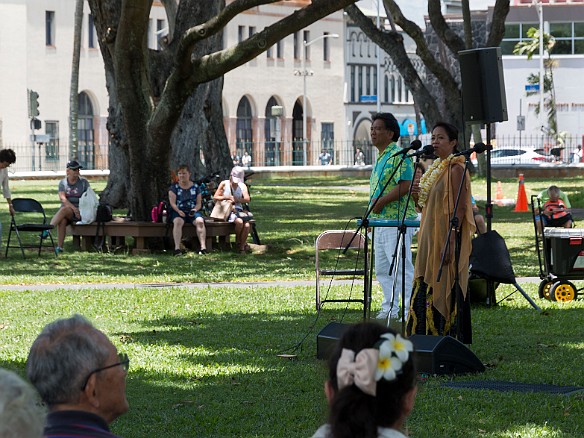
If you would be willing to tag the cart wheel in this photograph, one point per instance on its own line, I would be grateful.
(544, 289)
(563, 290)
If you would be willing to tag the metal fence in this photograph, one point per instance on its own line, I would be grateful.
(51, 157)
(95, 157)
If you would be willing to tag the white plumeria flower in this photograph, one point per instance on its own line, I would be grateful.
(401, 347)
(387, 364)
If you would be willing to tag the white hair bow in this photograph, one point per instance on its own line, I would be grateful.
(358, 369)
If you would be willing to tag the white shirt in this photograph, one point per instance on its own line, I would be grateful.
(382, 432)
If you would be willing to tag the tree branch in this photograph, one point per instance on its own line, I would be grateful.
(392, 44)
(216, 64)
(447, 35)
(497, 30)
(442, 74)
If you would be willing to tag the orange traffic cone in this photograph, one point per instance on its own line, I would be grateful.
(521, 204)
(499, 194)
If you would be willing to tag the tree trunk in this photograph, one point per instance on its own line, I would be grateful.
(165, 105)
(74, 90)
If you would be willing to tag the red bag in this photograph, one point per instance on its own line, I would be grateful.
(158, 211)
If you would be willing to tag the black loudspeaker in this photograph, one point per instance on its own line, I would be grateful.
(444, 355)
(327, 339)
(483, 86)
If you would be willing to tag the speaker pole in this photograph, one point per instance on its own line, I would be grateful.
(491, 299)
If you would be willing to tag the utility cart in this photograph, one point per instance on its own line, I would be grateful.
(560, 252)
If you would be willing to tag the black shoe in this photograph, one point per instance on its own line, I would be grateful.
(203, 252)
(177, 252)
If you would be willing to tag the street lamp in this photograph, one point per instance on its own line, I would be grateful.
(305, 73)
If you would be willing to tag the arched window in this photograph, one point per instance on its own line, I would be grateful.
(244, 131)
(297, 143)
(272, 130)
(85, 132)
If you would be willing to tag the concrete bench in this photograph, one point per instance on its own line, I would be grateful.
(218, 233)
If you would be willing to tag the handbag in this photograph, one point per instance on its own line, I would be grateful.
(244, 215)
(222, 210)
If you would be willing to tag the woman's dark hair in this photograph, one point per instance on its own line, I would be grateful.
(354, 413)
(7, 156)
(451, 130)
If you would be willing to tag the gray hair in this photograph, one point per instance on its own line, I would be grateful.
(62, 357)
(21, 414)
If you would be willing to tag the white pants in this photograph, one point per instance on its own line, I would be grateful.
(384, 241)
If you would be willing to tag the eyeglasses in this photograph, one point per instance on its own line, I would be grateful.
(124, 363)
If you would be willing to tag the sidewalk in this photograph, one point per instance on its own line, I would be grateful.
(251, 285)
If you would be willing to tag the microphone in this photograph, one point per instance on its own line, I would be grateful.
(414, 146)
(479, 148)
(426, 150)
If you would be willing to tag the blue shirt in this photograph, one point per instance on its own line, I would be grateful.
(186, 199)
(384, 168)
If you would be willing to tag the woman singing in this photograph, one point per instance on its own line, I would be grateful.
(442, 307)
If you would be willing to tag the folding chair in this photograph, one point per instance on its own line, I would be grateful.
(30, 212)
(337, 240)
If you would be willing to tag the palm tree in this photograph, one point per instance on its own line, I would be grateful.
(73, 98)
(529, 48)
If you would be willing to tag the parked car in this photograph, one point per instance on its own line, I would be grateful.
(514, 156)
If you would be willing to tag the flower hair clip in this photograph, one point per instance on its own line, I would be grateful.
(394, 352)
(370, 365)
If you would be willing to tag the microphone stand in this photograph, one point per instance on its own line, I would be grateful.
(402, 229)
(454, 225)
(365, 224)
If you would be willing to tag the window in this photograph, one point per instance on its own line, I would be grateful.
(326, 52)
(327, 136)
(240, 33)
(352, 83)
(90, 32)
(244, 132)
(569, 38)
(515, 33)
(368, 80)
(85, 131)
(306, 39)
(360, 81)
(252, 31)
(50, 28)
(297, 45)
(280, 49)
(270, 52)
(52, 147)
(160, 29)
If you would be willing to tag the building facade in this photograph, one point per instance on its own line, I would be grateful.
(314, 90)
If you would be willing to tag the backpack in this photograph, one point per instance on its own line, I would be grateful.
(158, 210)
(104, 213)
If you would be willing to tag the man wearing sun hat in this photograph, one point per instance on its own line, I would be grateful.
(70, 190)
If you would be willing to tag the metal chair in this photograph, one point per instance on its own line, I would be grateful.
(29, 216)
(338, 240)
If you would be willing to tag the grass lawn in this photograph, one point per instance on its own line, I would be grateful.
(204, 361)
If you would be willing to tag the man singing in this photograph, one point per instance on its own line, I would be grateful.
(391, 204)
